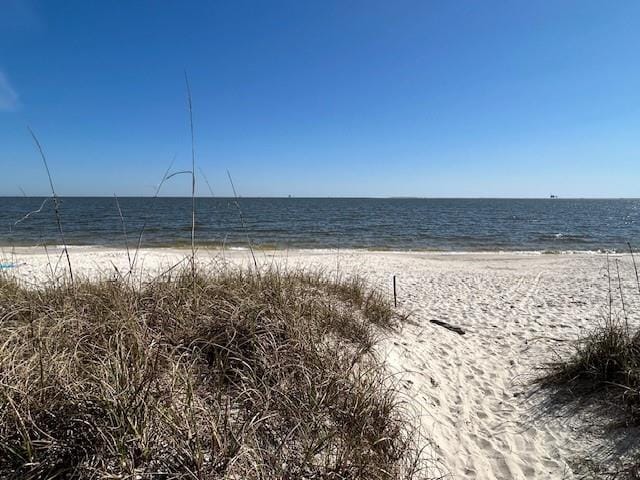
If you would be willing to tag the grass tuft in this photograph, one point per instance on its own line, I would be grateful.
(228, 374)
(608, 357)
(603, 371)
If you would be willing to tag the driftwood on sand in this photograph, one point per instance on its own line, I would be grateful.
(448, 326)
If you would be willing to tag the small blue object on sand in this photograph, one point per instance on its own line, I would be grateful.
(7, 266)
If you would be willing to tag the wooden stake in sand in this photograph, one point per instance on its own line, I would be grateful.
(395, 296)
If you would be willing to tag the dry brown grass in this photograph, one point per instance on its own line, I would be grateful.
(605, 362)
(238, 376)
(602, 374)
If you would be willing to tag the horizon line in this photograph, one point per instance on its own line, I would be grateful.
(368, 197)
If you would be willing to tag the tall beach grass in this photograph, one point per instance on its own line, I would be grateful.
(237, 375)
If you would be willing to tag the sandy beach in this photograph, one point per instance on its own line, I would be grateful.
(479, 413)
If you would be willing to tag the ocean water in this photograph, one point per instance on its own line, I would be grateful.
(547, 225)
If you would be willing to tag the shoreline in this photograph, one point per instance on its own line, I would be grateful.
(33, 249)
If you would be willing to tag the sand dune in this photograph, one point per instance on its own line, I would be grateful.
(472, 393)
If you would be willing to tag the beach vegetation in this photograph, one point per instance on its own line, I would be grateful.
(221, 373)
(603, 371)
(606, 359)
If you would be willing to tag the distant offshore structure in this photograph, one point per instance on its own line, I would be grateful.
(553, 196)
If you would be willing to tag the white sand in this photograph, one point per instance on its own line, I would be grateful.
(473, 392)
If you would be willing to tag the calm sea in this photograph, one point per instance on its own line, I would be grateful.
(394, 224)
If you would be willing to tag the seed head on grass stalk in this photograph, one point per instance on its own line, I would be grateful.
(635, 266)
(124, 231)
(193, 181)
(242, 222)
(44, 245)
(56, 204)
(167, 176)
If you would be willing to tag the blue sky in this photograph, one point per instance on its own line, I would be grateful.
(324, 98)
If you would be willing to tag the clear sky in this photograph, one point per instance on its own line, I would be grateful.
(323, 98)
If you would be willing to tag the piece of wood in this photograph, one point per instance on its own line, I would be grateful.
(448, 326)
(395, 296)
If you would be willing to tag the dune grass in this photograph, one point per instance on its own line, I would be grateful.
(606, 360)
(228, 374)
(604, 370)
